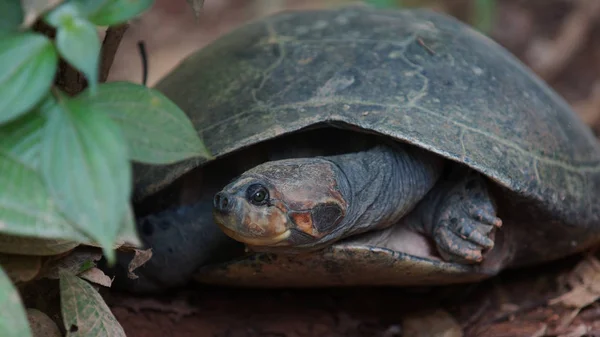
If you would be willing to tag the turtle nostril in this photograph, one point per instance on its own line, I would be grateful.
(224, 202)
(221, 202)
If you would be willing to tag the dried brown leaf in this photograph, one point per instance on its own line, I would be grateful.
(42, 325)
(437, 323)
(584, 281)
(578, 331)
(11, 244)
(21, 268)
(512, 329)
(76, 262)
(141, 257)
(97, 276)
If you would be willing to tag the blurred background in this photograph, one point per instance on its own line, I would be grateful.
(558, 39)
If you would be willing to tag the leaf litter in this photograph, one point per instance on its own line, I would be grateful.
(584, 281)
(42, 325)
(139, 259)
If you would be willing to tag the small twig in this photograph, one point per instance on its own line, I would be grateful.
(71, 81)
(110, 45)
(41, 27)
(144, 57)
(67, 78)
(422, 44)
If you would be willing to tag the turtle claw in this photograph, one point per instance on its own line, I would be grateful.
(453, 247)
(465, 221)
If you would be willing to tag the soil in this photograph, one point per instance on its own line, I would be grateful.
(557, 38)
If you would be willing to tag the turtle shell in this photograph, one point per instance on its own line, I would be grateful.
(413, 76)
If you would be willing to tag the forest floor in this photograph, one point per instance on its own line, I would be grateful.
(558, 39)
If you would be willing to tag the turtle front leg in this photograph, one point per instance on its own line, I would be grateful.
(460, 215)
(183, 239)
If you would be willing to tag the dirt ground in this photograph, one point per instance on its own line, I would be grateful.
(559, 39)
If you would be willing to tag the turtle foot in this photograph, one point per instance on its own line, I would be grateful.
(465, 221)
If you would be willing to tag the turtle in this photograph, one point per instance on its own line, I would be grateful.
(356, 145)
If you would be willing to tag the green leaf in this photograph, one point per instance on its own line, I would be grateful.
(156, 129)
(84, 163)
(11, 15)
(118, 11)
(84, 311)
(35, 245)
(88, 7)
(26, 208)
(21, 139)
(76, 40)
(128, 232)
(13, 320)
(28, 63)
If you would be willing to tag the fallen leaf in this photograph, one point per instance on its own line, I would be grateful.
(436, 323)
(42, 325)
(512, 329)
(97, 276)
(76, 262)
(579, 331)
(584, 281)
(21, 268)
(84, 311)
(565, 320)
(141, 257)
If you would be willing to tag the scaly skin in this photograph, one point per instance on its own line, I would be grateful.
(182, 238)
(365, 190)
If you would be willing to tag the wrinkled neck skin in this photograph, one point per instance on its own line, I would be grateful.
(383, 184)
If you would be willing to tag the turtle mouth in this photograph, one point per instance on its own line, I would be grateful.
(275, 240)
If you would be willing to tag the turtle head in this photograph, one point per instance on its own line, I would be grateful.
(284, 205)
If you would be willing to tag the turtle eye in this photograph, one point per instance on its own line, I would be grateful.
(257, 194)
